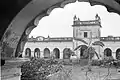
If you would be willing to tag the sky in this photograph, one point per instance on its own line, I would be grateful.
(58, 23)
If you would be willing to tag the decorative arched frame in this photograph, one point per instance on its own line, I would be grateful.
(27, 19)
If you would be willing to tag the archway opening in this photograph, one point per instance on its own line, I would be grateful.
(108, 52)
(66, 53)
(82, 49)
(118, 54)
(56, 52)
(46, 53)
(28, 52)
(37, 52)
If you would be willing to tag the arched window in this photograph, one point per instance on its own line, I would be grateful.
(56, 52)
(37, 52)
(66, 53)
(118, 54)
(46, 53)
(108, 52)
(28, 52)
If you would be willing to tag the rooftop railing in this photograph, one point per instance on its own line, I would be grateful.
(110, 38)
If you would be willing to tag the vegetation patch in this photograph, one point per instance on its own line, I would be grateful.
(40, 69)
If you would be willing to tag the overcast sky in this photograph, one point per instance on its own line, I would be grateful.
(58, 23)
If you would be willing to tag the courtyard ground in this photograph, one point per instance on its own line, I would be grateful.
(79, 73)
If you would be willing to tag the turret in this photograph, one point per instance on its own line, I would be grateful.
(97, 17)
(86, 29)
(75, 18)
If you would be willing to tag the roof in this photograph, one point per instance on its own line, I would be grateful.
(54, 39)
(86, 23)
(67, 39)
(110, 39)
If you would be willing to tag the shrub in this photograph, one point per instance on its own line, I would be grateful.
(39, 69)
(106, 63)
(95, 63)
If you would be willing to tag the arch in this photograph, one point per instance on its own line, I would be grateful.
(27, 52)
(37, 52)
(118, 54)
(82, 49)
(108, 52)
(46, 53)
(66, 53)
(56, 52)
(29, 16)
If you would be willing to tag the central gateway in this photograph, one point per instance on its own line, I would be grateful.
(86, 32)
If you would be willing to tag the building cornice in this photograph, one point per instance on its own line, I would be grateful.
(86, 23)
(70, 39)
(109, 39)
(54, 39)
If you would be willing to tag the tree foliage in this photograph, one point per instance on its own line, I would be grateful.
(90, 51)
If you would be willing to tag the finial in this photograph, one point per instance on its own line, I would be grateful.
(78, 19)
(75, 18)
(32, 37)
(97, 17)
(48, 36)
(96, 14)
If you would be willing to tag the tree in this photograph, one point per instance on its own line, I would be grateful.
(90, 51)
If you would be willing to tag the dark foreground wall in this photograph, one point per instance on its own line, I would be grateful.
(9, 9)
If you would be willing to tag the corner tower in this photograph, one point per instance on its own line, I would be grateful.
(86, 30)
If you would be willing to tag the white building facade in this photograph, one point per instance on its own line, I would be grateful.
(50, 45)
(88, 31)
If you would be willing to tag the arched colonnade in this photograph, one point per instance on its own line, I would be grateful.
(47, 53)
(56, 52)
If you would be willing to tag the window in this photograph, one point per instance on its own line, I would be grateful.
(85, 35)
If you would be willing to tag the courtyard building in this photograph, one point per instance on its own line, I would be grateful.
(83, 32)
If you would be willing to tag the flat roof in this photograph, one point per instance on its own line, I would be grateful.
(67, 39)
